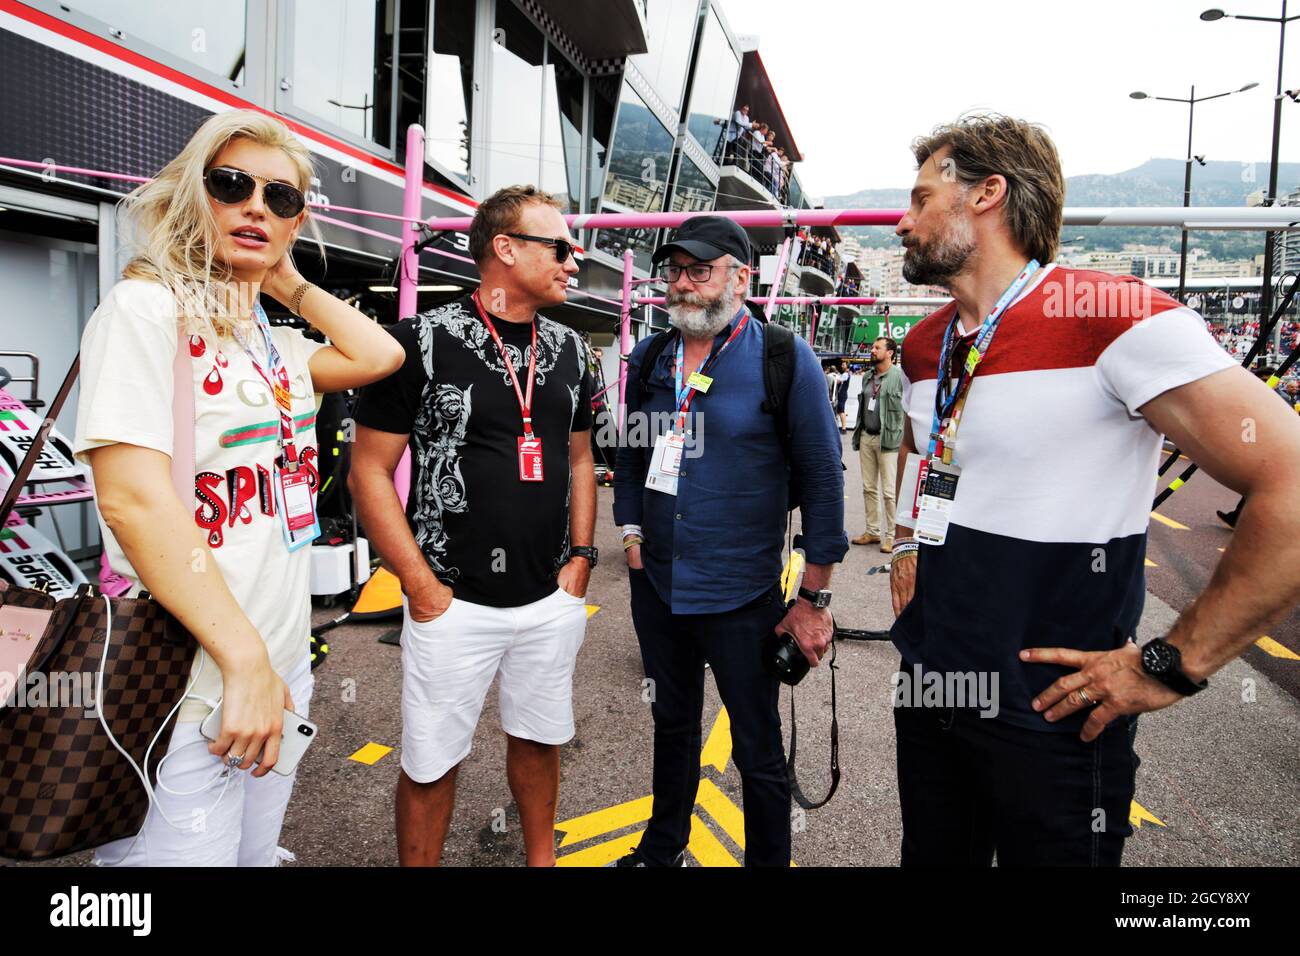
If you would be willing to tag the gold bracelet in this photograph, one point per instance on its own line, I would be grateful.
(631, 542)
(295, 300)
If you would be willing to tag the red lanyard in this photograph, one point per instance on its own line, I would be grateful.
(525, 400)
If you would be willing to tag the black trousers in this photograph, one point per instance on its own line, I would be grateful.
(973, 787)
(674, 648)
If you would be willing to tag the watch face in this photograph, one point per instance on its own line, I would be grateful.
(1157, 658)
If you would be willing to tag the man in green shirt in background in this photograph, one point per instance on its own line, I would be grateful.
(876, 437)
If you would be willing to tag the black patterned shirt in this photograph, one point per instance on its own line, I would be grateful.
(494, 539)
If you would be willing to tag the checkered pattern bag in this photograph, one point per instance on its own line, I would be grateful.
(64, 787)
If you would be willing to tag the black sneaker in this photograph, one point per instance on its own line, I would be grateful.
(635, 859)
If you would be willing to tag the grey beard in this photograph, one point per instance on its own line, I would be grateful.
(944, 260)
(700, 322)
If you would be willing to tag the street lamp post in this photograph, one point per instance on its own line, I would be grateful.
(1191, 100)
(1266, 289)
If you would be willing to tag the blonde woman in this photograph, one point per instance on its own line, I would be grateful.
(215, 229)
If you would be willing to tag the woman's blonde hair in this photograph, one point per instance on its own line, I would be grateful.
(176, 232)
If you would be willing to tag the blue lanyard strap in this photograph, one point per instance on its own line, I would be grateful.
(946, 393)
(684, 390)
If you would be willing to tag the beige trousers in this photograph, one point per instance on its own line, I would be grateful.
(879, 472)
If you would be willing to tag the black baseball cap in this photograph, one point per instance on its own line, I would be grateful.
(705, 238)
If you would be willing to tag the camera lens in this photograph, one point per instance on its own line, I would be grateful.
(304, 730)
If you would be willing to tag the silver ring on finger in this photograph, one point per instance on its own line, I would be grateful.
(234, 760)
(1088, 701)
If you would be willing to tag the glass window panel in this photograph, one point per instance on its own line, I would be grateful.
(642, 154)
(562, 130)
(604, 100)
(715, 85)
(342, 53)
(669, 27)
(209, 35)
(615, 241)
(636, 180)
(516, 88)
(694, 192)
(450, 86)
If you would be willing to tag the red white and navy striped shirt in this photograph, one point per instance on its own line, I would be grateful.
(1047, 540)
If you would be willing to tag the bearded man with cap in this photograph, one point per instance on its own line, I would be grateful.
(702, 502)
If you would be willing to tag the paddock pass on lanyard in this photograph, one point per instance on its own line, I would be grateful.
(666, 459)
(937, 477)
(293, 496)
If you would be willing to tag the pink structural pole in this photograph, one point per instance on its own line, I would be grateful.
(409, 274)
(624, 335)
(795, 300)
(780, 274)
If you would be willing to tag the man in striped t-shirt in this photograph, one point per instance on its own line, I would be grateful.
(1036, 403)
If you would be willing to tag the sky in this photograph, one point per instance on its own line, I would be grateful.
(858, 79)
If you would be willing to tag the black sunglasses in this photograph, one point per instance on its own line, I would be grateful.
(563, 247)
(228, 186)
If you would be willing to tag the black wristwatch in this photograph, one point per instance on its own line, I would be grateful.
(584, 551)
(818, 599)
(1162, 661)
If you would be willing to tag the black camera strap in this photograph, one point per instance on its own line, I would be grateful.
(793, 776)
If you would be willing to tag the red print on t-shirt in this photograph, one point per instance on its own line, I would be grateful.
(227, 501)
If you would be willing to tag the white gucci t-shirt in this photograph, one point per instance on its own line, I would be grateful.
(127, 355)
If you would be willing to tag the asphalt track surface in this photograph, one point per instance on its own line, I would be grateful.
(1218, 784)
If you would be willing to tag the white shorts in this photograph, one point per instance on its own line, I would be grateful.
(448, 665)
(231, 818)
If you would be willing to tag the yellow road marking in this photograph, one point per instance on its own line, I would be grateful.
(604, 821)
(592, 609)
(1151, 564)
(1274, 649)
(717, 749)
(1137, 814)
(706, 848)
(726, 813)
(371, 754)
(602, 853)
(1223, 549)
(1169, 521)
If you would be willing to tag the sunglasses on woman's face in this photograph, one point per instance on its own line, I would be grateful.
(228, 186)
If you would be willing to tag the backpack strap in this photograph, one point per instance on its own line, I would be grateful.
(778, 376)
(658, 342)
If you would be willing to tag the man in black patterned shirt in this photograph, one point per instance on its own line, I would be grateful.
(494, 548)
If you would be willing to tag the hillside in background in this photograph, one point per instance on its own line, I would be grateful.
(1157, 182)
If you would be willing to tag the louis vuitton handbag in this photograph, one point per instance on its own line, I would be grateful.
(72, 770)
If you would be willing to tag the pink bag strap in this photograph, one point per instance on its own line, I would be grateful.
(183, 465)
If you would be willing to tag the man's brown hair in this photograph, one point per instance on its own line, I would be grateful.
(988, 144)
(500, 213)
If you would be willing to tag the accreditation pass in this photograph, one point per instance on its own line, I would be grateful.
(936, 503)
(666, 463)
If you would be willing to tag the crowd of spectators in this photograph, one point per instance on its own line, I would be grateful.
(751, 145)
(1238, 336)
(819, 252)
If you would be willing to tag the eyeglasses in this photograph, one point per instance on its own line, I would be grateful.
(563, 247)
(696, 271)
(228, 186)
